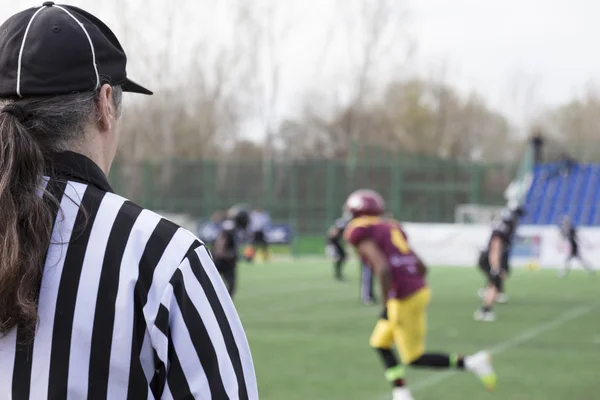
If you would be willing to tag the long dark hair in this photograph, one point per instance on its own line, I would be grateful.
(49, 124)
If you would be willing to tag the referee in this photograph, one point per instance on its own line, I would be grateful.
(99, 298)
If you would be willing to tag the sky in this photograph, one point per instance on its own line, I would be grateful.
(519, 55)
(491, 46)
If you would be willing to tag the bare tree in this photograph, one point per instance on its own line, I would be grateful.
(412, 116)
(573, 126)
(199, 101)
(268, 26)
(202, 85)
(373, 28)
(523, 92)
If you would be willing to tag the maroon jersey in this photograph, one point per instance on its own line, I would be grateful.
(392, 241)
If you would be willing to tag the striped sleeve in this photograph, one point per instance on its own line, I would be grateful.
(199, 338)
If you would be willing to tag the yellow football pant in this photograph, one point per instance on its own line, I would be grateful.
(406, 324)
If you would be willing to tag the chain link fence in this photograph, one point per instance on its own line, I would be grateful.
(309, 194)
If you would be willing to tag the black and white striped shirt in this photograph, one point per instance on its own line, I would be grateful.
(131, 307)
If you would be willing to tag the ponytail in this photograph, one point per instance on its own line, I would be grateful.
(31, 129)
(25, 223)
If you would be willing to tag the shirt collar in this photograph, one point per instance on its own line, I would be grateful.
(77, 167)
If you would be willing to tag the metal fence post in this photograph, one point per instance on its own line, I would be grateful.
(351, 167)
(311, 194)
(396, 186)
(293, 206)
(476, 174)
(147, 188)
(209, 189)
(330, 192)
(268, 186)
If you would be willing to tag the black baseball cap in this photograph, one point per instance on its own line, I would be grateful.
(58, 49)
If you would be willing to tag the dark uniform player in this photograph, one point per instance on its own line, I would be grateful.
(225, 248)
(508, 223)
(569, 233)
(494, 262)
(382, 244)
(335, 248)
(260, 222)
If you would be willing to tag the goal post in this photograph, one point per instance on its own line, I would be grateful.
(476, 214)
(515, 195)
(516, 192)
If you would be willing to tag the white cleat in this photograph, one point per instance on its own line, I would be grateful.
(501, 298)
(481, 365)
(561, 274)
(484, 316)
(402, 394)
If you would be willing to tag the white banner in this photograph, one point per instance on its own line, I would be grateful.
(459, 245)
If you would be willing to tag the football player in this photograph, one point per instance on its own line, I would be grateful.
(260, 221)
(509, 221)
(225, 248)
(494, 262)
(335, 247)
(382, 244)
(367, 285)
(569, 233)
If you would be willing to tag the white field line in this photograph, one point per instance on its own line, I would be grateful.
(509, 344)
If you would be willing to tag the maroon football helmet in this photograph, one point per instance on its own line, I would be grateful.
(365, 202)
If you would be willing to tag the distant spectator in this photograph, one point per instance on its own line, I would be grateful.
(565, 165)
(537, 142)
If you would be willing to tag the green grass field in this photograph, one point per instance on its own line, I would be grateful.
(309, 335)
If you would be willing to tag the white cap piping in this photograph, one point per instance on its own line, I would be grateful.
(20, 61)
(87, 35)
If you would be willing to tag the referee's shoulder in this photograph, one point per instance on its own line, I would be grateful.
(158, 239)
